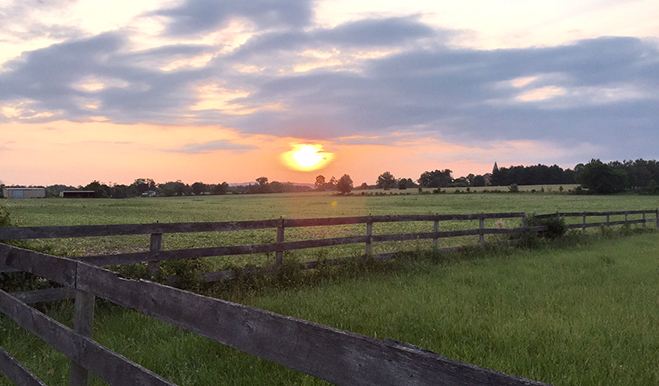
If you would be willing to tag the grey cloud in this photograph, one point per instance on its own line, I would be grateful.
(377, 32)
(200, 16)
(385, 32)
(429, 89)
(27, 16)
(49, 77)
(206, 147)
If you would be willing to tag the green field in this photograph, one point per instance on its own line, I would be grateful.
(55, 211)
(44, 212)
(579, 315)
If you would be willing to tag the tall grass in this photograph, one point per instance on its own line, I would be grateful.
(584, 314)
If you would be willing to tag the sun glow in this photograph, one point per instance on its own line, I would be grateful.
(306, 157)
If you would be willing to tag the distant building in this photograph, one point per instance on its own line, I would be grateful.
(23, 192)
(149, 193)
(77, 194)
(495, 168)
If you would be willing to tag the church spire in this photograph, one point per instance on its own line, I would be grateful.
(496, 167)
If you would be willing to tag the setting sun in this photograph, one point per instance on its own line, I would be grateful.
(306, 157)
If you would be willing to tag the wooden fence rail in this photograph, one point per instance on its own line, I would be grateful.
(337, 356)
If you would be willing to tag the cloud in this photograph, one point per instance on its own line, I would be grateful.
(201, 16)
(361, 79)
(207, 147)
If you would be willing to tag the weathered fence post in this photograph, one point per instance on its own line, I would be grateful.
(481, 227)
(369, 237)
(644, 220)
(607, 220)
(626, 214)
(524, 220)
(584, 225)
(83, 323)
(435, 240)
(279, 254)
(153, 269)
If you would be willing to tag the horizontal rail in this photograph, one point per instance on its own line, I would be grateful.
(194, 253)
(45, 295)
(228, 274)
(50, 232)
(593, 214)
(16, 372)
(107, 365)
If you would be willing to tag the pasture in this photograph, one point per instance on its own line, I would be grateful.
(44, 212)
(576, 316)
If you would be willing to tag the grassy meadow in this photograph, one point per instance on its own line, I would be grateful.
(55, 211)
(577, 315)
(582, 315)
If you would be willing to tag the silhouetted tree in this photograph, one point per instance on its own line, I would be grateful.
(100, 190)
(198, 188)
(385, 181)
(320, 182)
(344, 185)
(602, 178)
(436, 179)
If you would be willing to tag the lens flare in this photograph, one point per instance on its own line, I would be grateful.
(306, 157)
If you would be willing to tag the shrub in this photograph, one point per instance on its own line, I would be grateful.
(556, 226)
(513, 188)
(5, 219)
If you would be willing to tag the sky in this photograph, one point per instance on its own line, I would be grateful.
(212, 91)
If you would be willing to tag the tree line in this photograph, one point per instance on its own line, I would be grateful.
(594, 177)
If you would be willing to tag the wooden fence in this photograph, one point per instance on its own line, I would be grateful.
(334, 355)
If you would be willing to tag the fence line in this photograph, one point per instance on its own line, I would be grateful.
(327, 353)
(337, 356)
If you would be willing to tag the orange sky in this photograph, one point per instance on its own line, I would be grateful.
(78, 153)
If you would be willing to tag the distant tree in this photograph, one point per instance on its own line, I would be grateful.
(174, 188)
(602, 178)
(220, 189)
(461, 182)
(119, 191)
(344, 185)
(320, 182)
(263, 185)
(402, 184)
(436, 179)
(363, 186)
(478, 180)
(198, 188)
(142, 185)
(100, 190)
(385, 181)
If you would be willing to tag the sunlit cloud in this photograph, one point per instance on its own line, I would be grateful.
(25, 110)
(205, 147)
(215, 97)
(521, 82)
(98, 83)
(541, 94)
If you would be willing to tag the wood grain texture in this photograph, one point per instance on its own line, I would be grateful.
(107, 365)
(45, 295)
(334, 355)
(83, 324)
(16, 372)
(57, 269)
